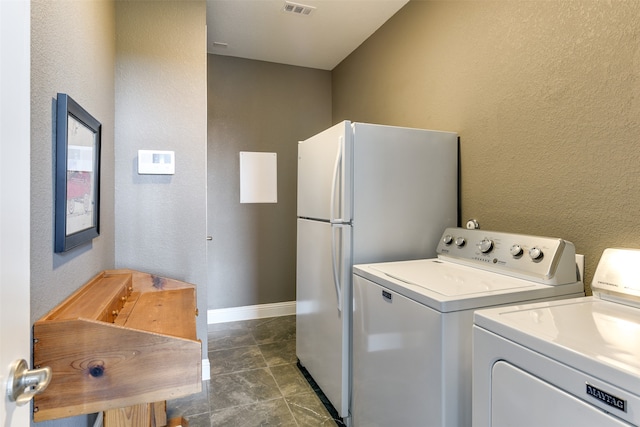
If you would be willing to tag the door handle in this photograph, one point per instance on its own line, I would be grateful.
(334, 182)
(24, 383)
(334, 263)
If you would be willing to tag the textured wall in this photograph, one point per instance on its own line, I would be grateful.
(545, 96)
(73, 52)
(264, 107)
(161, 104)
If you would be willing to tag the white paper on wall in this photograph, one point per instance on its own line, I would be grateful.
(258, 177)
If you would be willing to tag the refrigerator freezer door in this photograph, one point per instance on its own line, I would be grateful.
(322, 336)
(324, 175)
(405, 191)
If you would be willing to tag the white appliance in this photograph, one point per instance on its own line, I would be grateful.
(366, 193)
(567, 363)
(413, 321)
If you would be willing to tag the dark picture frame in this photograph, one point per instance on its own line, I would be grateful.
(77, 175)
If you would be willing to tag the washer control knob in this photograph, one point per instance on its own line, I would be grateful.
(485, 245)
(515, 250)
(460, 242)
(448, 239)
(535, 253)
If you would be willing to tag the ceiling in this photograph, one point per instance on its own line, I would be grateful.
(313, 33)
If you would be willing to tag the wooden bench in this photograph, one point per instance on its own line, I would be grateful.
(124, 343)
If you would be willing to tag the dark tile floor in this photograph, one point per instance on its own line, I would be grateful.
(254, 380)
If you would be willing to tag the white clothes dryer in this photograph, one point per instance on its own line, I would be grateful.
(574, 362)
(413, 321)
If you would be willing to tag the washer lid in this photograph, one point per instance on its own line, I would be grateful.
(590, 334)
(449, 280)
(447, 286)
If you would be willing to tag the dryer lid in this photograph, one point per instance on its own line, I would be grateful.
(589, 334)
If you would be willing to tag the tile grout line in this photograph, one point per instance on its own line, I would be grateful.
(262, 335)
(283, 396)
(277, 385)
(248, 329)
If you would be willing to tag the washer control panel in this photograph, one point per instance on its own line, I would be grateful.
(543, 259)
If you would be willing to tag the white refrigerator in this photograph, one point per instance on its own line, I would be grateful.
(366, 193)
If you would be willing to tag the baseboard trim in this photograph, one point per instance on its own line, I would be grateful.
(223, 315)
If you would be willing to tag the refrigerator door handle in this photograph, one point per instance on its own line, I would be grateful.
(334, 263)
(337, 172)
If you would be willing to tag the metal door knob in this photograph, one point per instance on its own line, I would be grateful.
(23, 383)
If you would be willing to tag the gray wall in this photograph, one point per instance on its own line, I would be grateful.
(73, 52)
(156, 69)
(161, 104)
(67, 57)
(544, 95)
(263, 107)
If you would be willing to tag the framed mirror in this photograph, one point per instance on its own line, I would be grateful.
(77, 175)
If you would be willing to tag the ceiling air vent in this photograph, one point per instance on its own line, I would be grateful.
(298, 9)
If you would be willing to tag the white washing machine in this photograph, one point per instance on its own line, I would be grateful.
(565, 363)
(413, 321)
